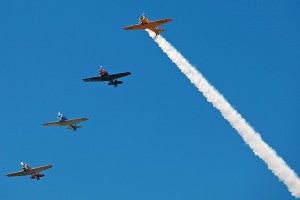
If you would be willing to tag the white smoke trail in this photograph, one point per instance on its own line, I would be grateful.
(274, 162)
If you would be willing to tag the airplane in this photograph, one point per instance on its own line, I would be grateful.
(104, 76)
(34, 172)
(63, 121)
(145, 23)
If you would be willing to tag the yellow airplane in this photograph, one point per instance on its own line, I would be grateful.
(144, 23)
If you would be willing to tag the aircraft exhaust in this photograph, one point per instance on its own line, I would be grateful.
(274, 162)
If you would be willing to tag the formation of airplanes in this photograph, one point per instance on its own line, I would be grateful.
(112, 79)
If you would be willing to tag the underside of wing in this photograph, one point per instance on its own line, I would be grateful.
(74, 121)
(150, 25)
(119, 75)
(53, 124)
(93, 79)
(159, 22)
(38, 169)
(30, 171)
(66, 122)
(20, 173)
(137, 27)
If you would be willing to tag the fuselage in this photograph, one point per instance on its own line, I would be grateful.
(62, 118)
(144, 20)
(156, 30)
(25, 166)
(111, 81)
(72, 127)
(37, 176)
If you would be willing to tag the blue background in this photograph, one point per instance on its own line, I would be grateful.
(155, 136)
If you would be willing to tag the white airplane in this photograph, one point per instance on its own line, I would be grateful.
(34, 172)
(63, 121)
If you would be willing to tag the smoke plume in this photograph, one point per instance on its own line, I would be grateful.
(274, 162)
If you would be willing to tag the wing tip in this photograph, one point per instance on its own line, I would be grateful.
(127, 28)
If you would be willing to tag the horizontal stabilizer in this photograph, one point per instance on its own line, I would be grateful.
(74, 126)
(158, 30)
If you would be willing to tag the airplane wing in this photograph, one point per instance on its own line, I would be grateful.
(159, 22)
(20, 173)
(53, 124)
(106, 78)
(93, 79)
(66, 123)
(38, 169)
(75, 121)
(29, 172)
(137, 27)
(119, 75)
(149, 25)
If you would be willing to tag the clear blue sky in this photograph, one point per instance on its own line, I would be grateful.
(155, 136)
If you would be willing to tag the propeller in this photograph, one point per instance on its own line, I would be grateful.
(141, 17)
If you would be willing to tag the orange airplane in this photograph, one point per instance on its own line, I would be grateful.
(144, 23)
